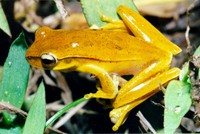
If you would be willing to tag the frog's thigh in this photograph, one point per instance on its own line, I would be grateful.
(109, 86)
(145, 88)
(142, 92)
(147, 73)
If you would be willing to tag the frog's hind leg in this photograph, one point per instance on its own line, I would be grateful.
(154, 68)
(146, 89)
(141, 28)
(141, 87)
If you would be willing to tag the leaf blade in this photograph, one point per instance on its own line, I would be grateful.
(93, 9)
(4, 24)
(15, 76)
(15, 73)
(177, 104)
(36, 118)
(12, 130)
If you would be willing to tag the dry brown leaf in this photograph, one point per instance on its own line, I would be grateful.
(74, 21)
(162, 8)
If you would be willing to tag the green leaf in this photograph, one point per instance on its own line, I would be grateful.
(177, 104)
(12, 130)
(184, 73)
(28, 102)
(15, 74)
(36, 118)
(94, 9)
(8, 117)
(196, 53)
(4, 24)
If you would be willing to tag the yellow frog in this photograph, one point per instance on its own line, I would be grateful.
(108, 54)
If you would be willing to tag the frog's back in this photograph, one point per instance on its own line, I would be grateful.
(97, 44)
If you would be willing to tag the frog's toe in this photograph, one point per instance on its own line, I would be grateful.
(89, 96)
(119, 115)
(100, 94)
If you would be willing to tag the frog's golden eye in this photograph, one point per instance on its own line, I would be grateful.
(48, 60)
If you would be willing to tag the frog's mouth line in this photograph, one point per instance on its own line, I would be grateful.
(37, 63)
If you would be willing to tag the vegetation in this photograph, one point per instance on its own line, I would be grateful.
(30, 97)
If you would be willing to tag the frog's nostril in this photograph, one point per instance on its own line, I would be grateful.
(48, 60)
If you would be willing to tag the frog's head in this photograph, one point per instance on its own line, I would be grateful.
(42, 54)
(49, 61)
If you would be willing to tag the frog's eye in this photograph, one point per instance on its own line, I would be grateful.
(48, 60)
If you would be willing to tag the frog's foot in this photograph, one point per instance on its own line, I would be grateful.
(119, 115)
(100, 94)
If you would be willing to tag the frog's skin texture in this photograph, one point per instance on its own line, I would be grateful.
(108, 54)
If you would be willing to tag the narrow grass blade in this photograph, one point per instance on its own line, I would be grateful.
(62, 111)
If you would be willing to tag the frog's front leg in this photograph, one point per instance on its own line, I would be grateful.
(109, 85)
(142, 92)
(112, 24)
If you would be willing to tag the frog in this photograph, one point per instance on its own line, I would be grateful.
(143, 52)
